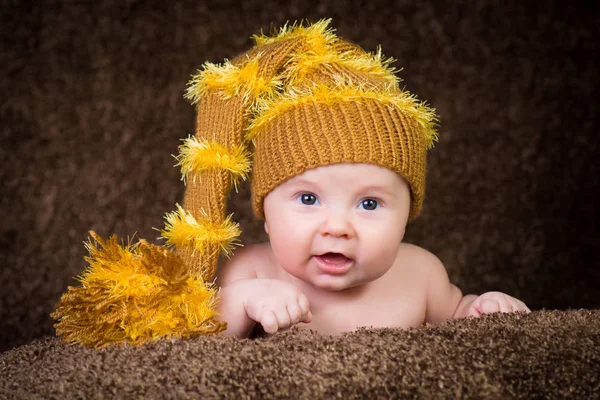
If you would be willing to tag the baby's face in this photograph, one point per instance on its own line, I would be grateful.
(338, 226)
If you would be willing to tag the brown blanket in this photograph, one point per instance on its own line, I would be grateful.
(92, 108)
(541, 355)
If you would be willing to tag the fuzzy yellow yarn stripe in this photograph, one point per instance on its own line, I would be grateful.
(196, 156)
(372, 63)
(345, 91)
(183, 230)
(318, 36)
(230, 81)
(135, 293)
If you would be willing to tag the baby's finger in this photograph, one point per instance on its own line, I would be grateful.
(308, 318)
(474, 312)
(520, 306)
(305, 307)
(283, 317)
(269, 321)
(504, 304)
(489, 306)
(303, 303)
(294, 312)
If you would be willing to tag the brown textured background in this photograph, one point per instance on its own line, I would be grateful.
(92, 108)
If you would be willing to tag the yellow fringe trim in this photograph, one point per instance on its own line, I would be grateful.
(196, 156)
(345, 91)
(183, 230)
(135, 293)
(231, 81)
(375, 64)
(319, 36)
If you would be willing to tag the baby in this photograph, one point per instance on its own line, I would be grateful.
(335, 261)
(339, 160)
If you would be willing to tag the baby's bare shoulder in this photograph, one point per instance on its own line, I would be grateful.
(419, 260)
(245, 263)
(251, 252)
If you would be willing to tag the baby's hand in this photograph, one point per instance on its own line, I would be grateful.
(275, 304)
(491, 302)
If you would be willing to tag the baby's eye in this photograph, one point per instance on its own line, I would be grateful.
(307, 199)
(369, 204)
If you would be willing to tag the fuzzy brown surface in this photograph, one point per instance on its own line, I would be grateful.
(92, 108)
(541, 355)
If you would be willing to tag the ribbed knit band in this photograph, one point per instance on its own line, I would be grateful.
(314, 134)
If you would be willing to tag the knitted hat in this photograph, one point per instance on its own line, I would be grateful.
(300, 99)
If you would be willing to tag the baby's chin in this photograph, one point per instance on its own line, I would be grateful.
(337, 284)
(323, 283)
(349, 282)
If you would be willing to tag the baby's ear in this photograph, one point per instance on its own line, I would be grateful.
(266, 228)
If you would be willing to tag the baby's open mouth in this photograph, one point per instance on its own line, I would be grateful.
(335, 258)
(334, 263)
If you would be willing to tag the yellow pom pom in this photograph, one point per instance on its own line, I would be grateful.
(183, 230)
(134, 294)
(196, 156)
(230, 80)
(318, 36)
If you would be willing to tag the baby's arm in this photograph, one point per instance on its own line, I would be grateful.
(245, 299)
(445, 300)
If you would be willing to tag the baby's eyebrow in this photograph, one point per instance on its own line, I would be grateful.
(377, 189)
(303, 182)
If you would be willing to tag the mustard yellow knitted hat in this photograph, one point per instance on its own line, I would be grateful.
(299, 99)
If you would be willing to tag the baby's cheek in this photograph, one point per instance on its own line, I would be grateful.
(283, 242)
(290, 257)
(384, 248)
(378, 259)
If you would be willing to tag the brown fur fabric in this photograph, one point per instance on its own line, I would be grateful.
(546, 354)
(93, 108)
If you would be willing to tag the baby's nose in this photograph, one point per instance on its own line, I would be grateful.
(337, 224)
